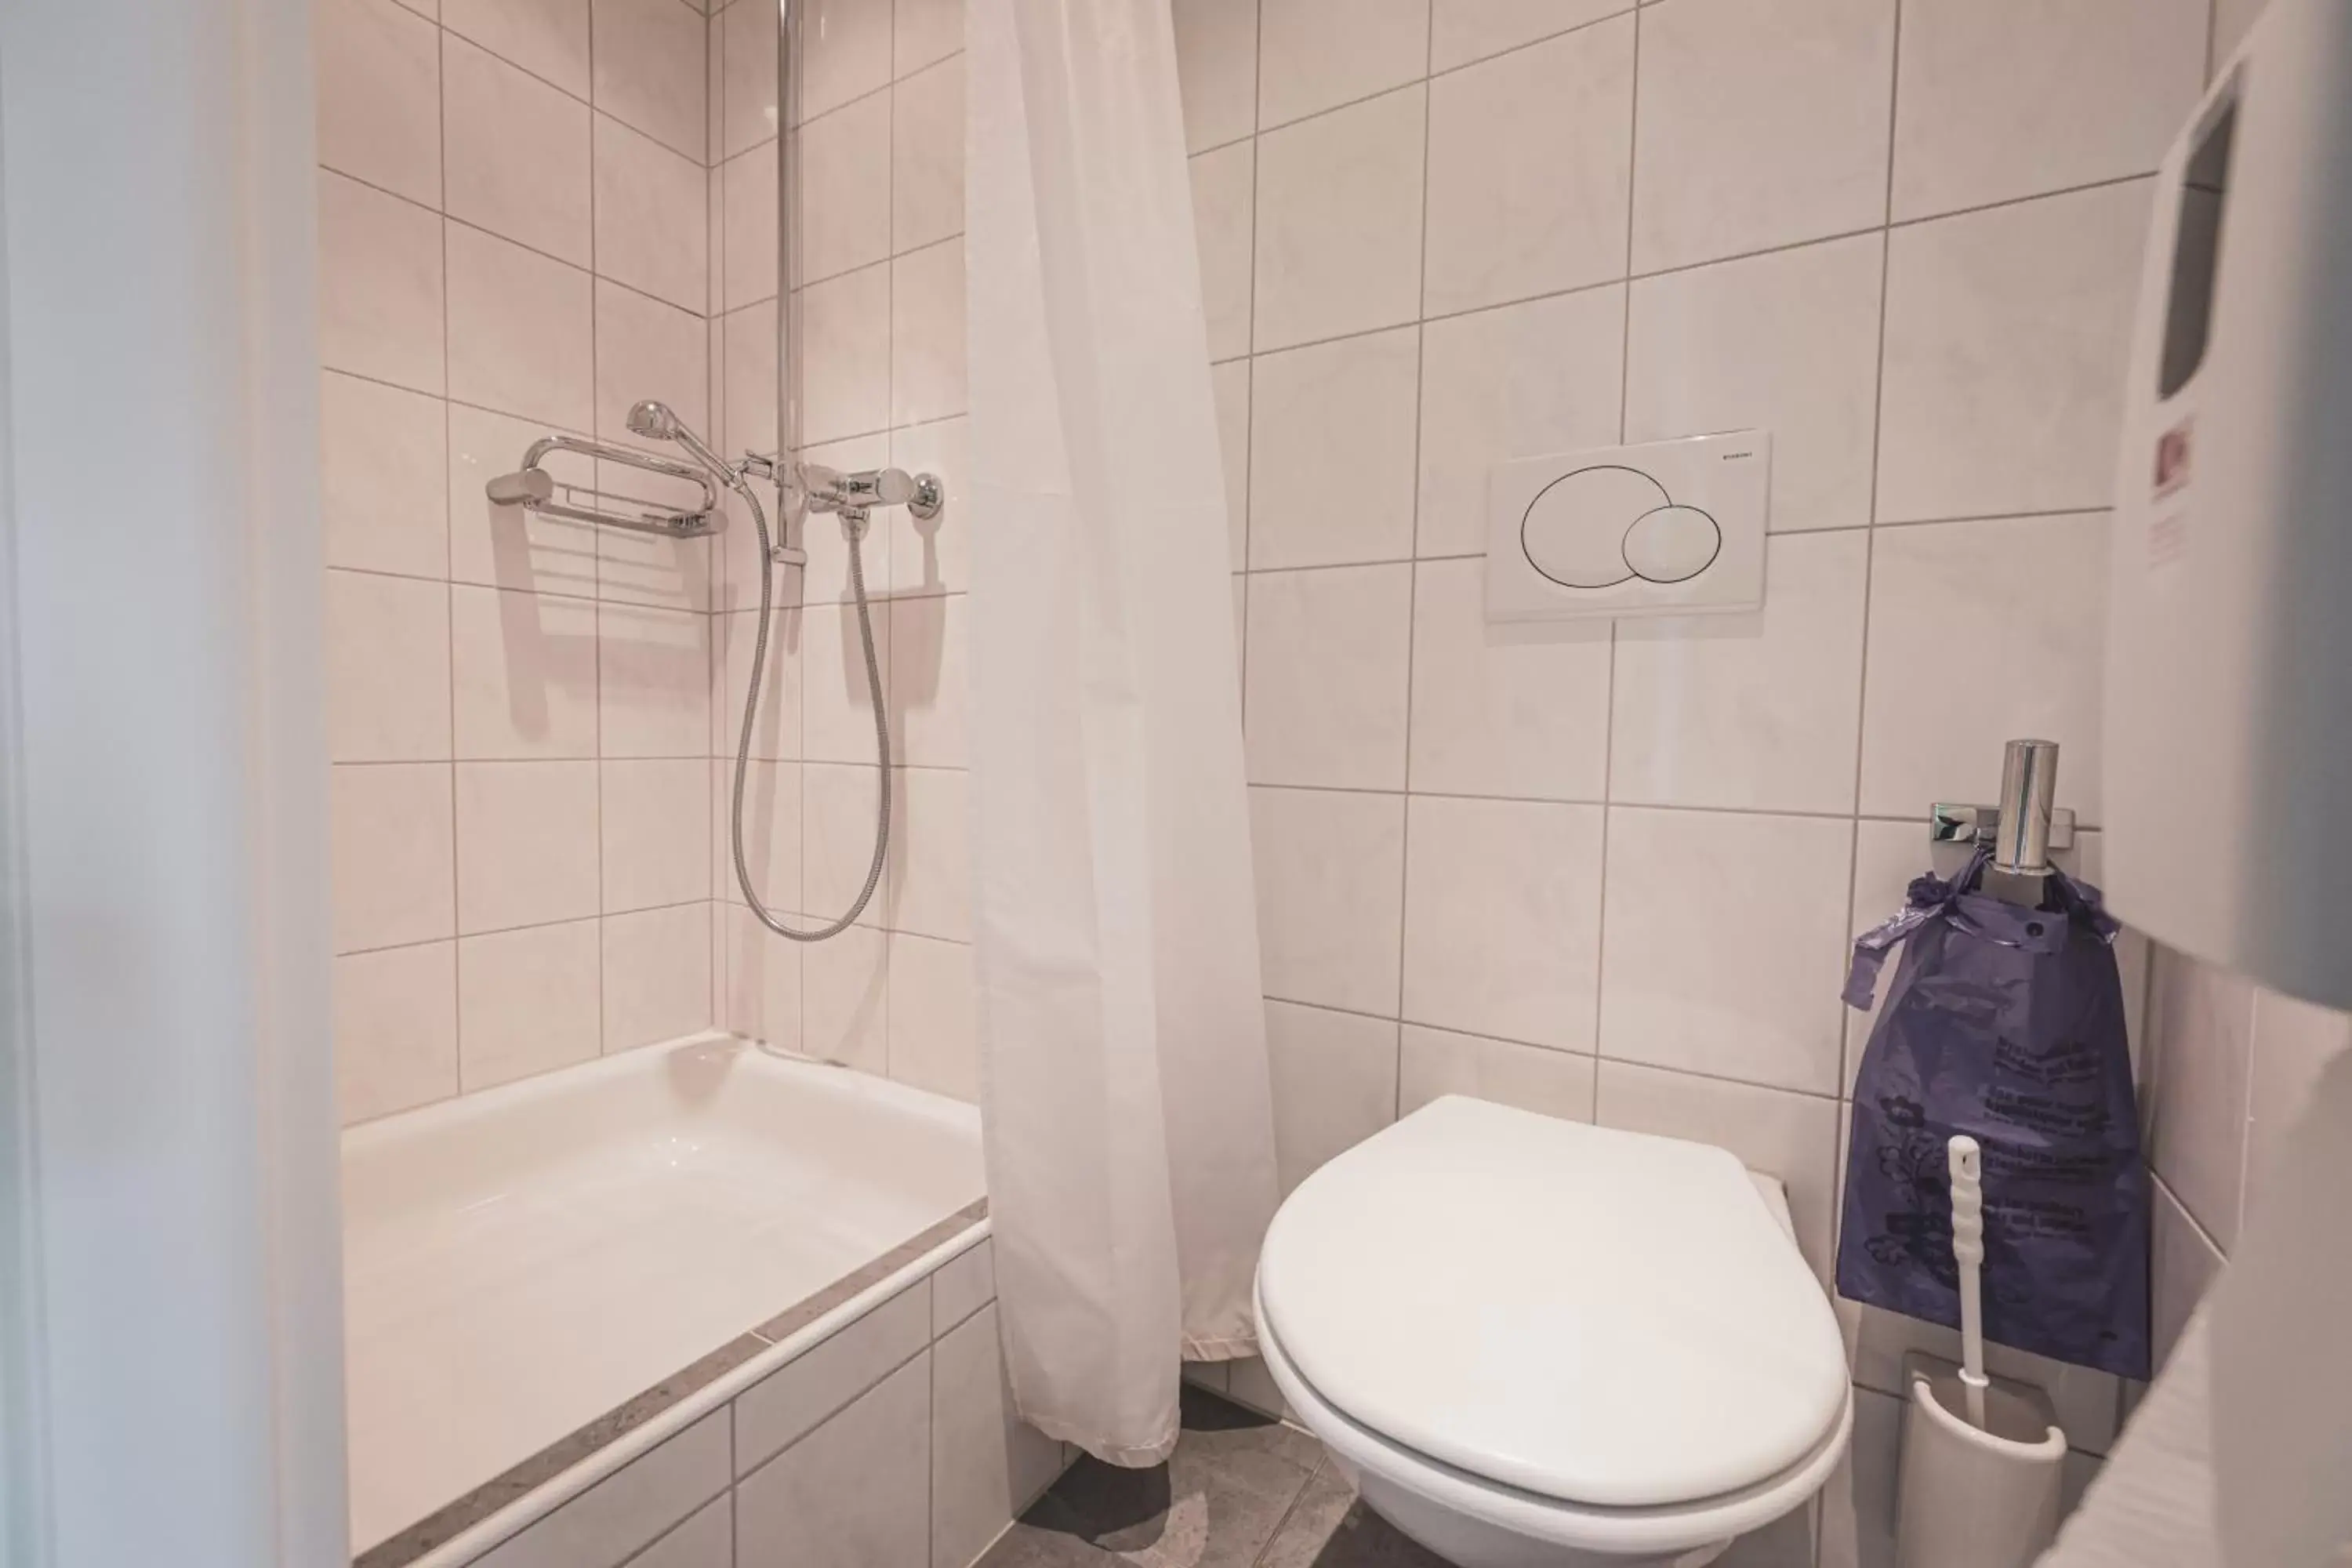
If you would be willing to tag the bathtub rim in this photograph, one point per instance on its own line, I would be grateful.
(970, 1229)
(651, 1416)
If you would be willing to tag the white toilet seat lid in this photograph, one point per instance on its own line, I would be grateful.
(1599, 1317)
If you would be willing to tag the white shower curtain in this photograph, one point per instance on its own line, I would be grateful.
(1125, 1092)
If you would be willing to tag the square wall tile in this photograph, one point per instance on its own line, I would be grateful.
(387, 649)
(650, 71)
(1330, 890)
(379, 86)
(1335, 1084)
(838, 707)
(527, 1002)
(1788, 342)
(1530, 159)
(522, 331)
(384, 473)
(856, 1490)
(840, 802)
(1216, 69)
(761, 996)
(1503, 918)
(1764, 1008)
(844, 367)
(747, 411)
(845, 190)
(1224, 191)
(395, 1029)
(1315, 55)
(525, 674)
(923, 31)
(1327, 673)
(392, 854)
(1750, 710)
(926, 156)
(1432, 1063)
(1519, 382)
(927, 335)
(796, 1399)
(772, 833)
(549, 38)
(653, 684)
(526, 844)
(1333, 432)
(746, 41)
(2007, 336)
(2295, 1041)
(1759, 126)
(927, 681)
(380, 286)
(656, 975)
(987, 1464)
(1793, 1137)
(776, 729)
(844, 1000)
(652, 227)
(1465, 30)
(932, 869)
(843, 52)
(932, 878)
(647, 348)
(748, 225)
(654, 821)
(516, 153)
(2036, 647)
(2002, 99)
(1499, 712)
(933, 555)
(2199, 1054)
(933, 1043)
(1338, 222)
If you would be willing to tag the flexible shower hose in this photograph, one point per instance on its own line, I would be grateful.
(856, 532)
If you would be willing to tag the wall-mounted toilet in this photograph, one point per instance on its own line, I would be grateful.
(1533, 1343)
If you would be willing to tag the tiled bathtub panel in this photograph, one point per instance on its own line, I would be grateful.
(892, 1444)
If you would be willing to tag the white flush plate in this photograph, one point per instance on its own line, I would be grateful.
(1666, 528)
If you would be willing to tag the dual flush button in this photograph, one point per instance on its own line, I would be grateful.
(1577, 531)
(1668, 527)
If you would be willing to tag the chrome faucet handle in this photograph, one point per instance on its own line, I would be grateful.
(830, 489)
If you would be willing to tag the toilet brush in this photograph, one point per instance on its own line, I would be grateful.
(1966, 1162)
(1982, 1457)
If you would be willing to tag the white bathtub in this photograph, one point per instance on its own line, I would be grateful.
(544, 1279)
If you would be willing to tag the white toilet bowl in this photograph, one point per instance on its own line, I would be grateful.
(1533, 1343)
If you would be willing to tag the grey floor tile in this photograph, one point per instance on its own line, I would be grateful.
(1027, 1545)
(1330, 1528)
(1215, 1503)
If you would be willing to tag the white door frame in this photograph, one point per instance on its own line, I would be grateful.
(171, 1342)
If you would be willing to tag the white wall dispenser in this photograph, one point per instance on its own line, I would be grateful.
(1664, 528)
(2228, 674)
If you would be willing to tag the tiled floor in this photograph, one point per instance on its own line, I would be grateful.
(1240, 1490)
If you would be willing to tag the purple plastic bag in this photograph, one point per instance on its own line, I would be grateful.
(2006, 1024)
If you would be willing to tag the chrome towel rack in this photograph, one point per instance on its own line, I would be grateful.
(533, 488)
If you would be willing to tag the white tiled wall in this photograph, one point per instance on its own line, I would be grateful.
(878, 303)
(893, 1441)
(513, 241)
(1615, 877)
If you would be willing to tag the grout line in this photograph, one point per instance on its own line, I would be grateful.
(1847, 1068)
(1609, 698)
(456, 880)
(1412, 603)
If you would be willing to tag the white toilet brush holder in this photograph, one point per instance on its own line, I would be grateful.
(1975, 1496)
(1983, 1459)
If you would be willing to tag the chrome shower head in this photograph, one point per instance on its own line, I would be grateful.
(655, 421)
